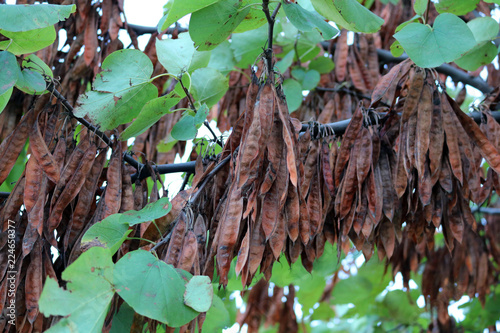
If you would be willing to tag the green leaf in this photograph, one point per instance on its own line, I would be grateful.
(88, 295)
(461, 7)
(217, 317)
(31, 82)
(449, 39)
(4, 99)
(114, 229)
(152, 288)
(323, 65)
(150, 212)
(187, 127)
(248, 45)
(308, 21)
(10, 71)
(199, 293)
(211, 25)
(119, 95)
(399, 307)
(414, 19)
(181, 8)
(152, 111)
(349, 14)
(29, 17)
(310, 80)
(175, 54)
(122, 321)
(478, 56)
(293, 93)
(208, 86)
(28, 41)
(222, 58)
(109, 233)
(36, 64)
(420, 6)
(255, 17)
(286, 61)
(484, 29)
(396, 49)
(114, 78)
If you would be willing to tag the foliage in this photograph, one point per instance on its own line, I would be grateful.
(269, 214)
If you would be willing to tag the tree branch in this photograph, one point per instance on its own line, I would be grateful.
(270, 21)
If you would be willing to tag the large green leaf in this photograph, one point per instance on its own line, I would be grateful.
(152, 288)
(255, 17)
(28, 41)
(461, 7)
(113, 230)
(29, 17)
(187, 127)
(399, 307)
(181, 8)
(308, 79)
(484, 29)
(208, 86)
(449, 39)
(211, 25)
(248, 45)
(10, 71)
(36, 64)
(293, 93)
(217, 317)
(88, 295)
(175, 54)
(31, 82)
(199, 293)
(122, 321)
(420, 6)
(323, 65)
(349, 14)
(119, 94)
(179, 55)
(222, 58)
(308, 21)
(150, 114)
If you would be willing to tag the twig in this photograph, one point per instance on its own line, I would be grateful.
(129, 159)
(210, 175)
(142, 30)
(163, 240)
(185, 181)
(270, 21)
(191, 104)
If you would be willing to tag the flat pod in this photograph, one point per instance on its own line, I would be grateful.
(229, 228)
(452, 131)
(42, 154)
(347, 143)
(11, 146)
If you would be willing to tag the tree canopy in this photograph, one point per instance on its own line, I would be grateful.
(353, 187)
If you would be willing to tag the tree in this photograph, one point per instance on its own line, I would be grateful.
(92, 242)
